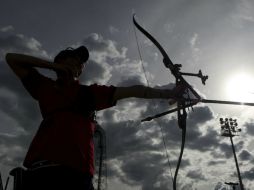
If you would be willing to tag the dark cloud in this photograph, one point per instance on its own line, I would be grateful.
(216, 162)
(141, 161)
(248, 174)
(226, 149)
(196, 175)
(125, 136)
(200, 115)
(148, 170)
(206, 142)
(11, 161)
(172, 135)
(9, 140)
(250, 127)
(239, 145)
(15, 101)
(13, 149)
(195, 138)
(142, 165)
(245, 155)
(217, 154)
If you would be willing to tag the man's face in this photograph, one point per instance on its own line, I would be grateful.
(74, 64)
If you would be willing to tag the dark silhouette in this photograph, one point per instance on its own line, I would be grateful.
(61, 155)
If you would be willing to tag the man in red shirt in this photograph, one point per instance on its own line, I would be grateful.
(61, 155)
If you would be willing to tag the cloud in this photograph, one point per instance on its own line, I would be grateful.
(113, 30)
(194, 45)
(96, 73)
(7, 28)
(19, 43)
(108, 64)
(147, 169)
(104, 56)
(103, 49)
(193, 40)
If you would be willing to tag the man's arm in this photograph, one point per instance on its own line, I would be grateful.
(23, 64)
(140, 91)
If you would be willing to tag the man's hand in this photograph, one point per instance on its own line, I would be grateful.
(177, 93)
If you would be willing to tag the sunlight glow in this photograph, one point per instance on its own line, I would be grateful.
(240, 87)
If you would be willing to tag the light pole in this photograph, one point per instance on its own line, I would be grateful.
(229, 129)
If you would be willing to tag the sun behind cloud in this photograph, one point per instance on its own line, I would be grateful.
(240, 87)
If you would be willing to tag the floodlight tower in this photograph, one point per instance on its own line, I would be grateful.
(229, 129)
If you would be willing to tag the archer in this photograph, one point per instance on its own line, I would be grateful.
(61, 155)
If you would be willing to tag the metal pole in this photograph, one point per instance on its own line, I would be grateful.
(236, 163)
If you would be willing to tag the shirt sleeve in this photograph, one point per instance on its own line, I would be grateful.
(32, 83)
(103, 96)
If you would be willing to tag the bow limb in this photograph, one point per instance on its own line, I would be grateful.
(156, 43)
(167, 61)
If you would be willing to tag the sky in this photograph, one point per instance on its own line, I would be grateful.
(213, 36)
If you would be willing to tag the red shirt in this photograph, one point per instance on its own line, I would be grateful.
(65, 135)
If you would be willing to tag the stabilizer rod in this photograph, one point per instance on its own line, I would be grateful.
(193, 102)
